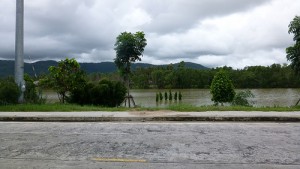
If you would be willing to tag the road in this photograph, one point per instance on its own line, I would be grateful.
(150, 145)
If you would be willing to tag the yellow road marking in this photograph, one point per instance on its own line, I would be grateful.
(119, 160)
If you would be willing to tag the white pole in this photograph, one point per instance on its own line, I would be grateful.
(19, 48)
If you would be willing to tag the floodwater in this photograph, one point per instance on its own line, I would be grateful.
(201, 97)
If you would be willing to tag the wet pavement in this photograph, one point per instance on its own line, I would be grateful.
(149, 145)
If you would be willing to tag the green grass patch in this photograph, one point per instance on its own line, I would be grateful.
(55, 107)
(191, 108)
(180, 108)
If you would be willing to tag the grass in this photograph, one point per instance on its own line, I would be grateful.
(190, 108)
(54, 107)
(180, 108)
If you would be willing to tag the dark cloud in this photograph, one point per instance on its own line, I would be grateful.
(178, 15)
(210, 32)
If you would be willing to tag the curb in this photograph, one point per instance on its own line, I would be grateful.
(145, 119)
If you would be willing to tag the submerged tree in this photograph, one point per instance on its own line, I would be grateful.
(242, 98)
(221, 88)
(129, 48)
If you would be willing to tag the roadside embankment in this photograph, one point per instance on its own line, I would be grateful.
(142, 116)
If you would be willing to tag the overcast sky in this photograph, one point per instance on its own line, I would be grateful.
(235, 33)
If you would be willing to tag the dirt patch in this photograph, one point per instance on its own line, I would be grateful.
(151, 113)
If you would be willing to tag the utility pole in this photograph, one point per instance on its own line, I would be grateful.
(19, 48)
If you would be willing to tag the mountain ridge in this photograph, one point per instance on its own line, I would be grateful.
(41, 67)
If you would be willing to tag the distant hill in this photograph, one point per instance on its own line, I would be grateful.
(41, 67)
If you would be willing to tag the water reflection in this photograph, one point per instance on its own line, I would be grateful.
(200, 97)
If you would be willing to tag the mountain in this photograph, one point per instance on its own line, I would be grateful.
(41, 67)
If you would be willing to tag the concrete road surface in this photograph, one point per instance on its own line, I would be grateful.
(150, 145)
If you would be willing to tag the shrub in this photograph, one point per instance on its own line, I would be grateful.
(9, 92)
(105, 93)
(31, 94)
(241, 98)
(82, 95)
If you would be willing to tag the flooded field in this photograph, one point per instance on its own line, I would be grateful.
(200, 97)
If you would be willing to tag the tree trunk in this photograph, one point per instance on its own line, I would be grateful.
(63, 98)
(128, 97)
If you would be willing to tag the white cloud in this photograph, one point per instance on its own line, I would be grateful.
(135, 18)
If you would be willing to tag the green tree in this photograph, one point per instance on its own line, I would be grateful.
(221, 88)
(129, 48)
(66, 77)
(293, 52)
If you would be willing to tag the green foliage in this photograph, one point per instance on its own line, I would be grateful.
(157, 97)
(221, 88)
(175, 96)
(65, 77)
(9, 92)
(294, 27)
(129, 47)
(273, 76)
(293, 52)
(31, 94)
(293, 55)
(105, 93)
(241, 98)
(166, 96)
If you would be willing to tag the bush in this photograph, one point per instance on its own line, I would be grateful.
(9, 92)
(81, 95)
(105, 93)
(241, 98)
(31, 95)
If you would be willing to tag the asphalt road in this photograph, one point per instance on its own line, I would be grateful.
(150, 145)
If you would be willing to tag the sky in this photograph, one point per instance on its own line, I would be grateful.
(236, 33)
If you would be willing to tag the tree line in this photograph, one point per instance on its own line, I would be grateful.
(180, 77)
